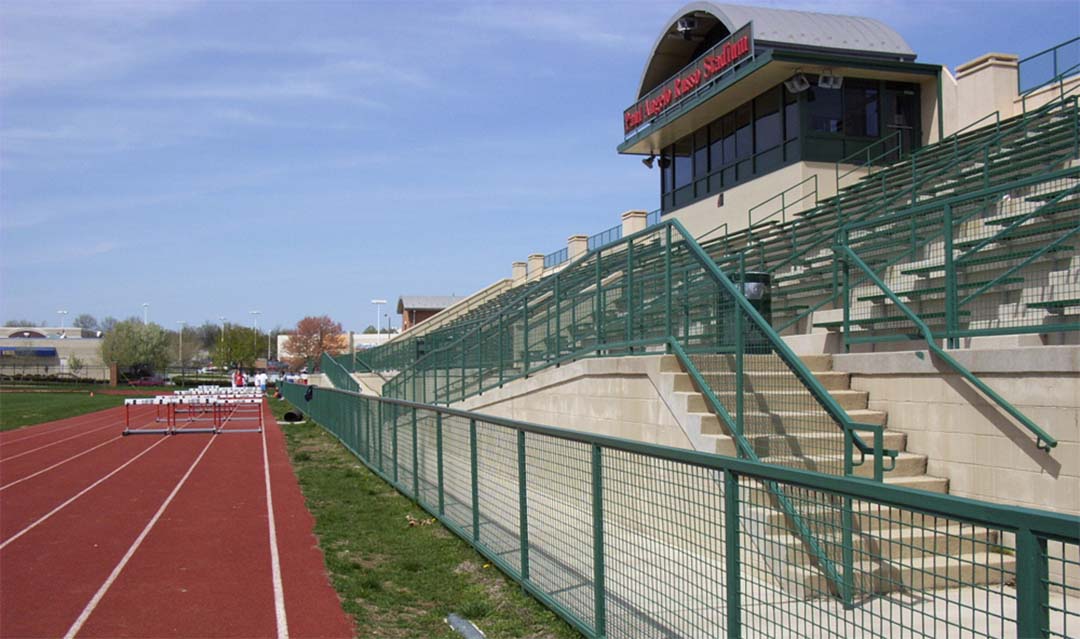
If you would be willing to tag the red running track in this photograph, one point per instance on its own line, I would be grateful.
(157, 536)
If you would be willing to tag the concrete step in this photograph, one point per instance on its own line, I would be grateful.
(710, 423)
(779, 400)
(831, 380)
(907, 464)
(787, 444)
(817, 363)
(867, 416)
(928, 483)
(720, 445)
(890, 544)
(828, 514)
(915, 574)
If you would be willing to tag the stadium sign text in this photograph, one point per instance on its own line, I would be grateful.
(722, 57)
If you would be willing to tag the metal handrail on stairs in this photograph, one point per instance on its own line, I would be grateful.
(846, 256)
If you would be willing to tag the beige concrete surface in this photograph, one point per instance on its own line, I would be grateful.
(984, 452)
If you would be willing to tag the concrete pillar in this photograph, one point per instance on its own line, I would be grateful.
(517, 273)
(536, 266)
(984, 85)
(576, 246)
(633, 221)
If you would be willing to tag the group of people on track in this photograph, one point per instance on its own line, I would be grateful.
(239, 380)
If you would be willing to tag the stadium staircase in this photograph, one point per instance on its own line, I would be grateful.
(974, 235)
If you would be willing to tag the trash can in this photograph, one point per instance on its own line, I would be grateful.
(756, 286)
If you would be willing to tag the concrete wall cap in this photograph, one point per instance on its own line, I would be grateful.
(1007, 59)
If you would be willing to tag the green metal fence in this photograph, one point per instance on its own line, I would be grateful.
(626, 539)
(337, 373)
(991, 262)
(656, 291)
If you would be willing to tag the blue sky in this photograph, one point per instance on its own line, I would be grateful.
(304, 158)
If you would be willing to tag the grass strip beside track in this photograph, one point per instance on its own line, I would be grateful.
(25, 409)
(395, 579)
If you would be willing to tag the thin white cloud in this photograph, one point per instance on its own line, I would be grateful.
(580, 24)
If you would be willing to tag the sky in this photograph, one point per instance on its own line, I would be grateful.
(303, 158)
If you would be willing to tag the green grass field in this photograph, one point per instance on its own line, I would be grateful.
(398, 571)
(19, 409)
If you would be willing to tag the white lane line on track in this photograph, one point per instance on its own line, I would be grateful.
(79, 494)
(275, 561)
(59, 463)
(34, 450)
(40, 430)
(96, 599)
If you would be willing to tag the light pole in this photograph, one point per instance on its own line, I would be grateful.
(255, 327)
(378, 315)
(145, 313)
(225, 363)
(61, 314)
(180, 349)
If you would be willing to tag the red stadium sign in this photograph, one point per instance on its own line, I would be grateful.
(717, 60)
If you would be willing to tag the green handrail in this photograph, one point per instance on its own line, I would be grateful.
(790, 359)
(1043, 440)
(782, 211)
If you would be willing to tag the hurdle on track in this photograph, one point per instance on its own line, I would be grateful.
(206, 409)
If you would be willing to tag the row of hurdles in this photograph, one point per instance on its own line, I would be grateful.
(204, 409)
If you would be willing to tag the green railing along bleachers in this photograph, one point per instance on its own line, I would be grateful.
(797, 252)
(627, 539)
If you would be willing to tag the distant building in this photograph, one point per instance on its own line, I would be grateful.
(51, 350)
(414, 309)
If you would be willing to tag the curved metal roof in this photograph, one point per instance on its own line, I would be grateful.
(778, 27)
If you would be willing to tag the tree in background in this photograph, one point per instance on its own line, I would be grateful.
(136, 347)
(108, 323)
(18, 323)
(312, 337)
(238, 346)
(191, 345)
(75, 365)
(85, 321)
(370, 330)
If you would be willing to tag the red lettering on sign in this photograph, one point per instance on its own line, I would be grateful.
(718, 60)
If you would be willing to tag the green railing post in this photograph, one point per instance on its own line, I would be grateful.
(598, 315)
(847, 594)
(667, 286)
(629, 301)
(525, 333)
(1032, 585)
(951, 315)
(740, 348)
(415, 460)
(439, 463)
(502, 349)
(523, 506)
(599, 589)
(474, 465)
(394, 441)
(732, 555)
(381, 422)
(846, 283)
(847, 522)
(558, 318)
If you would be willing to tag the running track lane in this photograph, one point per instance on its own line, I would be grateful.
(205, 569)
(107, 437)
(37, 430)
(48, 574)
